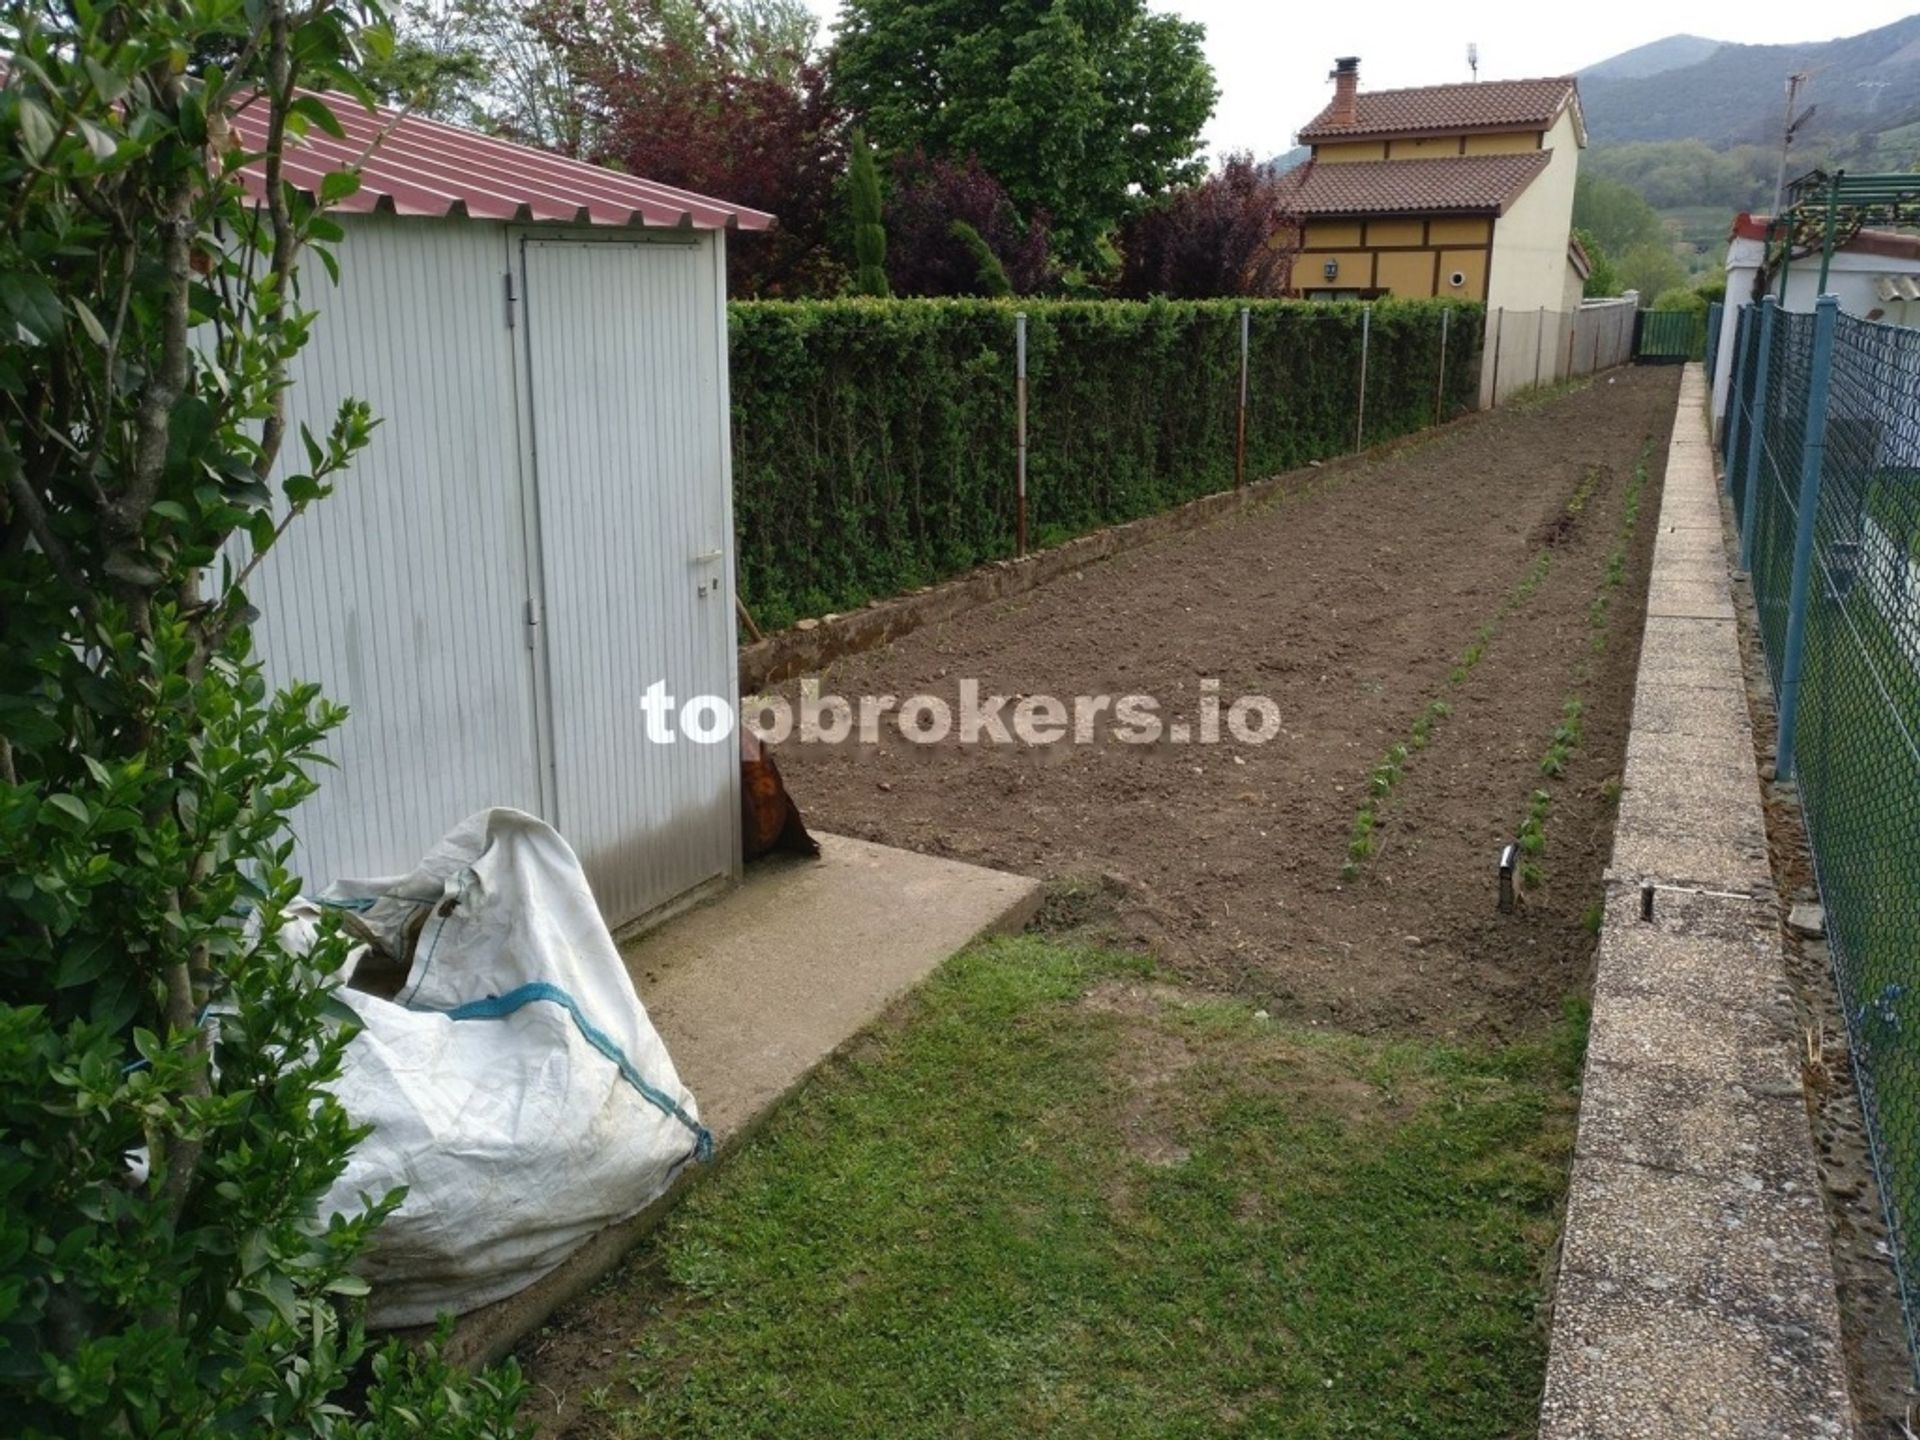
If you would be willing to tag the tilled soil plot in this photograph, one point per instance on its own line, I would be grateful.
(1352, 603)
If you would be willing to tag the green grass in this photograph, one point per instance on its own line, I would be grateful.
(1062, 1199)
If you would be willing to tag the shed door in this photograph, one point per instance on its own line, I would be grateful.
(628, 387)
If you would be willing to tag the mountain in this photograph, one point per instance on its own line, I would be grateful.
(1652, 59)
(1734, 93)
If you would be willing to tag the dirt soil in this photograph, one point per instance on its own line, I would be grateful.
(1348, 601)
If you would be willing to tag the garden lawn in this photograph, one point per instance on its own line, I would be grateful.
(1059, 1196)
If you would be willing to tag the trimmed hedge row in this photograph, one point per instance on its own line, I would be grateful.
(873, 441)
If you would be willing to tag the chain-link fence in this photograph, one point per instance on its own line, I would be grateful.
(1823, 458)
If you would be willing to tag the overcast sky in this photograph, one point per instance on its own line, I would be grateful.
(1272, 81)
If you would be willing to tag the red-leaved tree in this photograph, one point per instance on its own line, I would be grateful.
(924, 254)
(671, 94)
(1229, 235)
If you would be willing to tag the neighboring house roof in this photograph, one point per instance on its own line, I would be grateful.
(410, 165)
(1452, 185)
(1578, 258)
(1448, 109)
(1887, 244)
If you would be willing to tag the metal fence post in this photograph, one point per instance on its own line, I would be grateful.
(1539, 343)
(1240, 426)
(1499, 333)
(1360, 420)
(1757, 440)
(1020, 436)
(1730, 438)
(1826, 311)
(1440, 384)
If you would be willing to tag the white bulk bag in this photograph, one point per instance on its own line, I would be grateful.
(514, 1083)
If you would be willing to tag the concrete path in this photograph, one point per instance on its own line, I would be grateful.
(1696, 1292)
(752, 991)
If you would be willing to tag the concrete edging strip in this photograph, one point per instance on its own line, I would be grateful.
(1696, 1293)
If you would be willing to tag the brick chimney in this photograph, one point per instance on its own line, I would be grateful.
(1346, 85)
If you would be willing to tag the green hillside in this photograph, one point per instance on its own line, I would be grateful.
(1691, 127)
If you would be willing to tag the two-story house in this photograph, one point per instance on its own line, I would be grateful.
(1452, 190)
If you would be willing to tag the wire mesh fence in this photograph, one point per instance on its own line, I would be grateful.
(1781, 437)
(1837, 426)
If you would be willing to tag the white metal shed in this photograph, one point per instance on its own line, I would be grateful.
(542, 526)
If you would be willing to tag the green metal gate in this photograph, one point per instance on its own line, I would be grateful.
(1670, 337)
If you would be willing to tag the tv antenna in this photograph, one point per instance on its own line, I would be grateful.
(1473, 58)
(1794, 120)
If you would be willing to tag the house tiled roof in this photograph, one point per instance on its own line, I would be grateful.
(1447, 109)
(1452, 185)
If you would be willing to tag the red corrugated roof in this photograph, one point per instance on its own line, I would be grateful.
(410, 165)
(1451, 185)
(1448, 109)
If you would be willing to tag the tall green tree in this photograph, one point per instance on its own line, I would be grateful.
(499, 66)
(869, 230)
(167, 1131)
(1650, 268)
(1614, 214)
(1081, 108)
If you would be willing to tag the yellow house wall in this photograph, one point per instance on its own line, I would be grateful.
(1530, 240)
(1472, 264)
(1356, 270)
(1510, 143)
(1395, 232)
(1410, 257)
(1572, 288)
(1405, 272)
(1332, 234)
(1352, 150)
(1424, 148)
(1458, 232)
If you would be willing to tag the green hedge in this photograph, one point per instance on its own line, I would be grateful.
(873, 441)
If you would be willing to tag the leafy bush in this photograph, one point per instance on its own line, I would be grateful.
(1603, 280)
(928, 254)
(1681, 298)
(873, 441)
(1227, 235)
(989, 274)
(725, 100)
(166, 1131)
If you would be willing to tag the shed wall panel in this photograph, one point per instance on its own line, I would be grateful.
(627, 370)
(403, 594)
